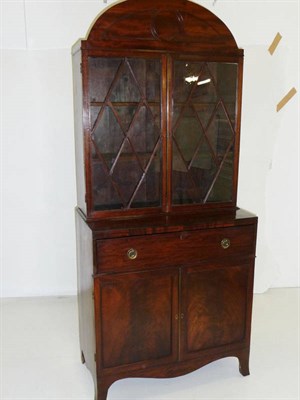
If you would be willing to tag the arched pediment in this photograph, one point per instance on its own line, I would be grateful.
(161, 25)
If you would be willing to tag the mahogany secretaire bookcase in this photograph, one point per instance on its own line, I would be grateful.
(165, 257)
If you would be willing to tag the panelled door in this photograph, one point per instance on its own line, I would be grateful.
(213, 307)
(137, 318)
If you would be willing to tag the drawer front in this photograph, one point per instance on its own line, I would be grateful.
(174, 249)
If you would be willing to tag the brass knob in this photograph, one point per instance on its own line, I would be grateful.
(132, 254)
(225, 243)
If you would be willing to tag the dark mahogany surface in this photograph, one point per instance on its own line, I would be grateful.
(145, 143)
(183, 302)
(159, 26)
(127, 226)
(148, 45)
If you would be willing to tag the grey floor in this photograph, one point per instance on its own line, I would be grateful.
(40, 357)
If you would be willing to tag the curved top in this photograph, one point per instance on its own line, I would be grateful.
(172, 25)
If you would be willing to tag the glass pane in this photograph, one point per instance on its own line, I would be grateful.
(222, 189)
(102, 72)
(105, 194)
(144, 134)
(204, 107)
(150, 186)
(126, 132)
(108, 136)
(126, 88)
(186, 189)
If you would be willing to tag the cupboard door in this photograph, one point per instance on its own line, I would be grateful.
(203, 131)
(214, 307)
(124, 97)
(137, 318)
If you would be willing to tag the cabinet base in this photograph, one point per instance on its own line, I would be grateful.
(168, 371)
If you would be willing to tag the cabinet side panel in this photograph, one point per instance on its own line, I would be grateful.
(85, 293)
(78, 128)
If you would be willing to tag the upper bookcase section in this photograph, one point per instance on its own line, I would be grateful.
(163, 25)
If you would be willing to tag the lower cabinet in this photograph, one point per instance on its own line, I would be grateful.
(155, 318)
(159, 318)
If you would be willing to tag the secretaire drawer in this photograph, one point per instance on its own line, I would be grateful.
(174, 248)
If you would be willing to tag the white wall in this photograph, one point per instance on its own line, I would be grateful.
(38, 147)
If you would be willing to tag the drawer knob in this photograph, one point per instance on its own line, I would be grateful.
(132, 254)
(225, 243)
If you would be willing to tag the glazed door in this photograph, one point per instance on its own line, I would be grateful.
(137, 318)
(124, 95)
(203, 129)
(214, 307)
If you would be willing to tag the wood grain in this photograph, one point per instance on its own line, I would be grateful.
(184, 300)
